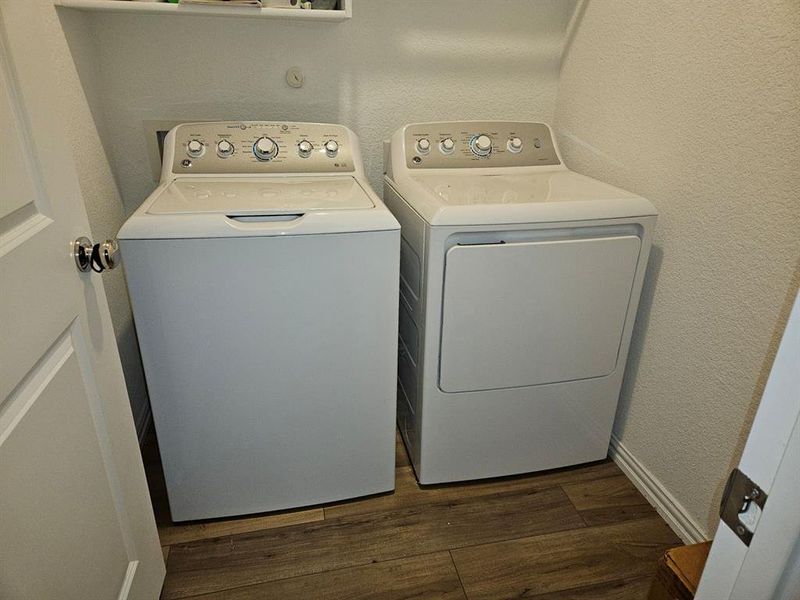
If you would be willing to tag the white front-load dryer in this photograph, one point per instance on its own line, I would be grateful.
(263, 273)
(520, 281)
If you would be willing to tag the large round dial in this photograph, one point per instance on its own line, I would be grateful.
(481, 145)
(265, 148)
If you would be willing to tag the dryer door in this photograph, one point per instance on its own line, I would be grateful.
(530, 313)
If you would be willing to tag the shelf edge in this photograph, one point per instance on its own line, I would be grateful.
(164, 8)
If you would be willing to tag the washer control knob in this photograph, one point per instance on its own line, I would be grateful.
(304, 148)
(195, 148)
(423, 145)
(481, 145)
(265, 148)
(224, 148)
(331, 148)
(514, 145)
(447, 145)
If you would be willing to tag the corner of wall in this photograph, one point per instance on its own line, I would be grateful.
(673, 512)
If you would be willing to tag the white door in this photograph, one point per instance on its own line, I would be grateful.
(769, 567)
(75, 516)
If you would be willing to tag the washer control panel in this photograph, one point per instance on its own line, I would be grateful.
(261, 147)
(469, 144)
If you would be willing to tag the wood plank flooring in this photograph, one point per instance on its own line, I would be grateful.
(576, 533)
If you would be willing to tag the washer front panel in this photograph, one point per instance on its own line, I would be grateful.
(244, 134)
(537, 146)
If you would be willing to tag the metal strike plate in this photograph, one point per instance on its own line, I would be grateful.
(742, 497)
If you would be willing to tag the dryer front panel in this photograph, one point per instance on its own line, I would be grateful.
(530, 313)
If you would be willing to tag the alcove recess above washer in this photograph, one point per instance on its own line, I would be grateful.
(342, 13)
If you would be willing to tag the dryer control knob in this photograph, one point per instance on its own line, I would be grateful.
(514, 145)
(224, 148)
(195, 148)
(423, 145)
(331, 148)
(304, 148)
(481, 145)
(265, 148)
(447, 145)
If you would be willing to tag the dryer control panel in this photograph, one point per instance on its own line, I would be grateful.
(470, 144)
(261, 147)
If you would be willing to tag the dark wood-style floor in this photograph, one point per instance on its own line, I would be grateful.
(578, 533)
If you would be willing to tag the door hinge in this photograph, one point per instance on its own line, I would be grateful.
(741, 506)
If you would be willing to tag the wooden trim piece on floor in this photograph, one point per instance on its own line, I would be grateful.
(676, 516)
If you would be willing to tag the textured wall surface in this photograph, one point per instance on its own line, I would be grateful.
(695, 106)
(392, 63)
(103, 202)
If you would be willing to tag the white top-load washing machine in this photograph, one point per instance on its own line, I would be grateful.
(519, 285)
(263, 272)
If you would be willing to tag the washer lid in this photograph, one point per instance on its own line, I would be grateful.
(544, 196)
(247, 206)
(262, 196)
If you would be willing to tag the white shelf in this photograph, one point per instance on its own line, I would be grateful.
(164, 8)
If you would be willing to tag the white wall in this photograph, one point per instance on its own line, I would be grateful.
(394, 62)
(695, 106)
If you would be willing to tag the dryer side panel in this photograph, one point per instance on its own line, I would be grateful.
(411, 318)
(532, 313)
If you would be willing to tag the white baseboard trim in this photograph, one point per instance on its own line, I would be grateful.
(144, 424)
(676, 516)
